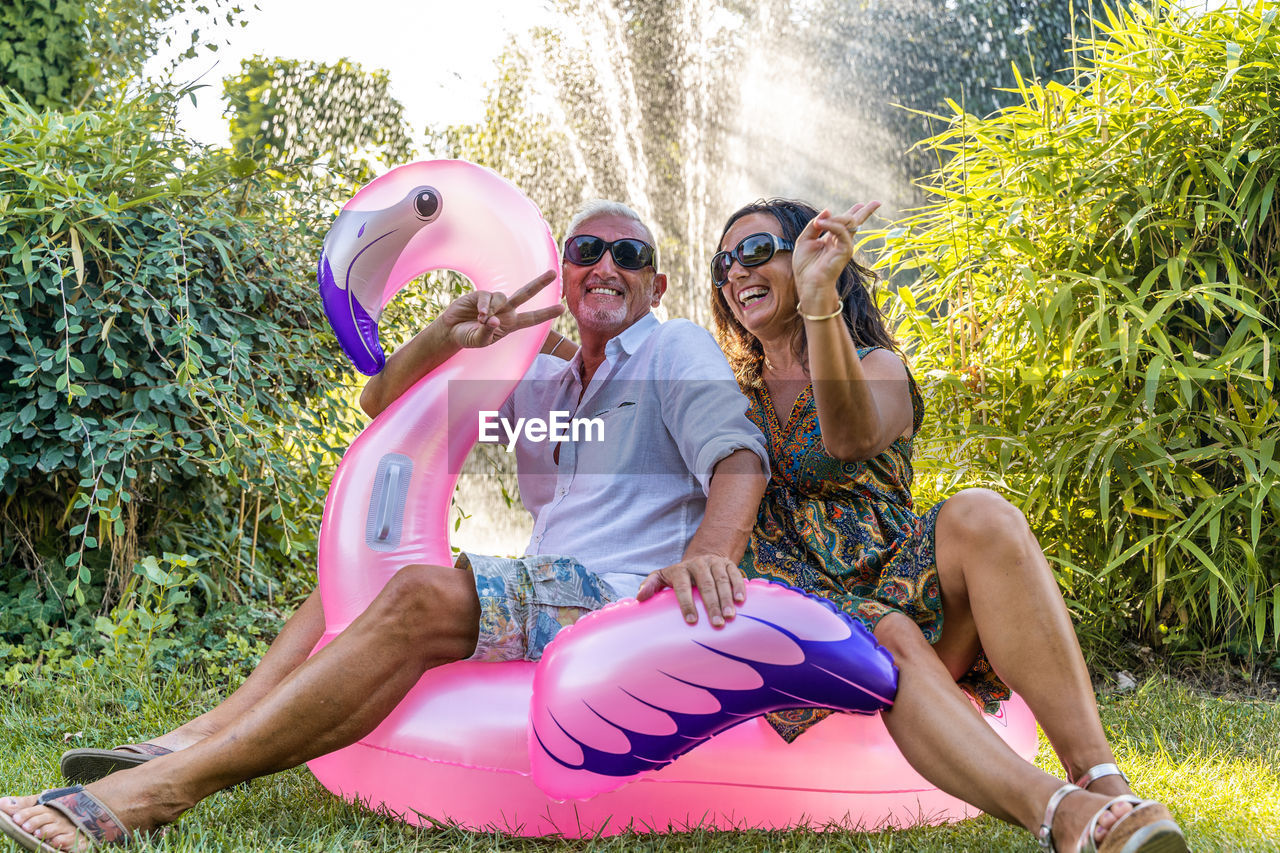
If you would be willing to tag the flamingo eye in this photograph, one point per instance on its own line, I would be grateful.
(427, 204)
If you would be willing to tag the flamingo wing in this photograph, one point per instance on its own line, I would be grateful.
(633, 687)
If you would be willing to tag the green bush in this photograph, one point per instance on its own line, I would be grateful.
(154, 630)
(1098, 303)
(168, 380)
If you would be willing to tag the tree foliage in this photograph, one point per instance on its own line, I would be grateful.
(1098, 304)
(287, 111)
(56, 53)
(41, 49)
(158, 326)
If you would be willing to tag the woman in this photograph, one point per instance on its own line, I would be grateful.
(962, 596)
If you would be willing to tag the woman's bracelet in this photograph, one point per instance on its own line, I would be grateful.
(835, 313)
(558, 343)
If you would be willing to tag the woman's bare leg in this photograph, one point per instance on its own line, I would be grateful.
(998, 592)
(943, 736)
(424, 617)
(288, 650)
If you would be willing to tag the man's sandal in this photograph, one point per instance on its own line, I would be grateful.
(92, 819)
(1147, 828)
(83, 766)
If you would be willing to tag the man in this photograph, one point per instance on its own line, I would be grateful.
(712, 470)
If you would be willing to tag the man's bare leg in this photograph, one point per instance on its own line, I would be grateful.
(426, 616)
(288, 650)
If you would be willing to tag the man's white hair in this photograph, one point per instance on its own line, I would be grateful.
(603, 207)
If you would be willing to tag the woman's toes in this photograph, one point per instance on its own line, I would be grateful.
(1110, 817)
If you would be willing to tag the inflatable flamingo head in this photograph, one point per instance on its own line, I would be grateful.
(436, 214)
(359, 253)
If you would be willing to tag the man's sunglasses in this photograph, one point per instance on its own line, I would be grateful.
(629, 254)
(754, 250)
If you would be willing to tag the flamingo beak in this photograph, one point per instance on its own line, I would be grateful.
(355, 325)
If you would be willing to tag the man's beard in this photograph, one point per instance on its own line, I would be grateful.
(601, 319)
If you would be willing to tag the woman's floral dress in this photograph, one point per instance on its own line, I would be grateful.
(848, 531)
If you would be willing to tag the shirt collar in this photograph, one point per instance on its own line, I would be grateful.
(634, 335)
(628, 340)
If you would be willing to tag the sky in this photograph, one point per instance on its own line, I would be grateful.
(439, 53)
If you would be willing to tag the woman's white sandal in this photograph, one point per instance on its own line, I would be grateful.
(1147, 828)
(1151, 828)
(1160, 834)
(1044, 835)
(1099, 771)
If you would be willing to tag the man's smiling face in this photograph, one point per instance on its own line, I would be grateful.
(604, 298)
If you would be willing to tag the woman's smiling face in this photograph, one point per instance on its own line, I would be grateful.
(763, 296)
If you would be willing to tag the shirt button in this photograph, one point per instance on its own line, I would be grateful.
(562, 491)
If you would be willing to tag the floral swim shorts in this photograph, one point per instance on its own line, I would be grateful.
(525, 601)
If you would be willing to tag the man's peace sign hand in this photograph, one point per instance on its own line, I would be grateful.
(479, 318)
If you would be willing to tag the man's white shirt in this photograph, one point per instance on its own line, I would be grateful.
(668, 409)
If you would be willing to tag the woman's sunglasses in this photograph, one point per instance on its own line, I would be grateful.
(754, 250)
(585, 250)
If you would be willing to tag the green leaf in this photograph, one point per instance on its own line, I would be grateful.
(1212, 113)
(1275, 615)
(1154, 370)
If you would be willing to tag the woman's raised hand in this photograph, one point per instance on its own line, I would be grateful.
(822, 250)
(480, 317)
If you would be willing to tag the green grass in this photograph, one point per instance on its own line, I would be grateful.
(1214, 761)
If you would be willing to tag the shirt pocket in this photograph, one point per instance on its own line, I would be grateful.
(601, 449)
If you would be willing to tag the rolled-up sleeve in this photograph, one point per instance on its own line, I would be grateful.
(702, 406)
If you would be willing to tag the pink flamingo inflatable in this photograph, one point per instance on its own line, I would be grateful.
(465, 745)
